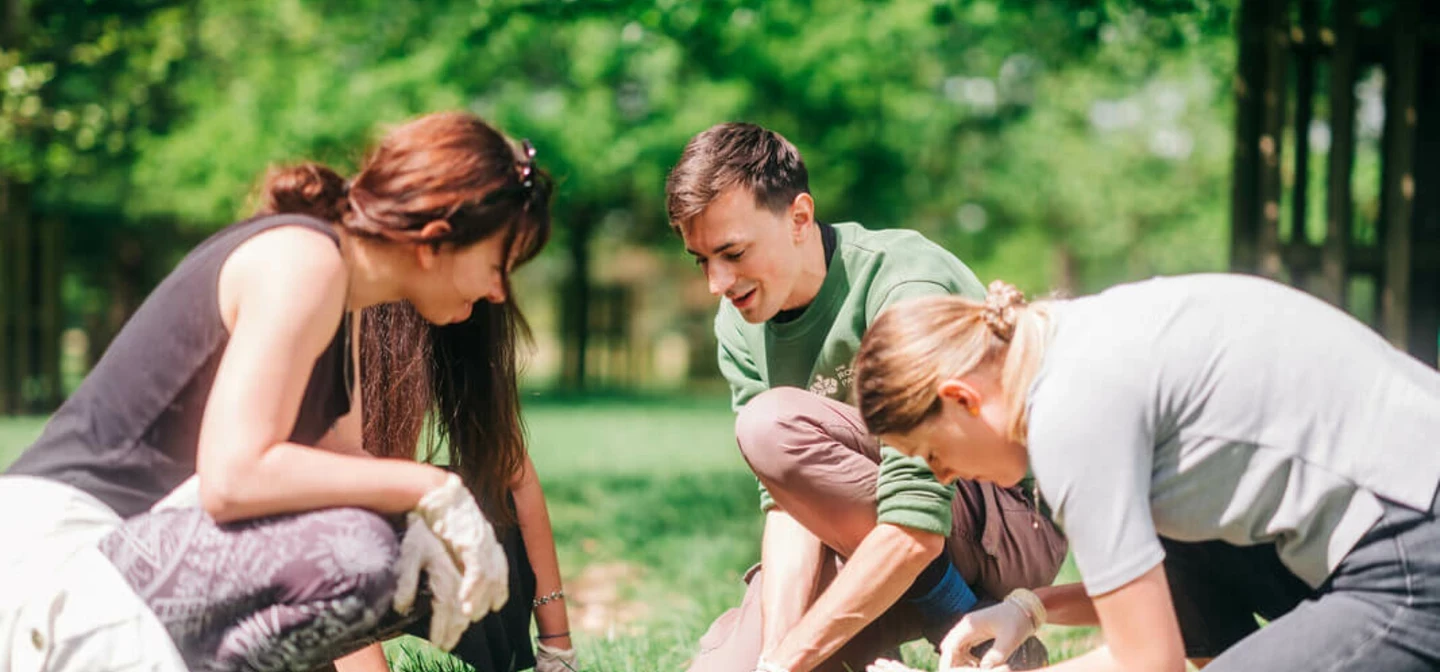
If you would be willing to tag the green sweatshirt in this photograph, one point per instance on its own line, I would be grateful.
(871, 271)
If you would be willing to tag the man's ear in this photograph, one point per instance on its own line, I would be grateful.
(802, 215)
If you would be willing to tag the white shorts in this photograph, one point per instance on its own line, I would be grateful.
(63, 605)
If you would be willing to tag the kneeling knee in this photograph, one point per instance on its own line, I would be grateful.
(352, 552)
(769, 423)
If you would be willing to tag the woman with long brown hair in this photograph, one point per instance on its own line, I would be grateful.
(1216, 447)
(239, 369)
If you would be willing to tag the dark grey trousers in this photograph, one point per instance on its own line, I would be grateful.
(1379, 610)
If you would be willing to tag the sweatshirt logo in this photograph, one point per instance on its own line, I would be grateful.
(826, 386)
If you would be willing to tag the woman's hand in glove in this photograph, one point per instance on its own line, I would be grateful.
(1005, 623)
(452, 514)
(421, 550)
(550, 659)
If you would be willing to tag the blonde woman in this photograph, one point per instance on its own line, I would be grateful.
(1269, 453)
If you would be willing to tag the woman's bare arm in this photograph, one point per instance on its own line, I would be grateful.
(1141, 632)
(247, 467)
(534, 520)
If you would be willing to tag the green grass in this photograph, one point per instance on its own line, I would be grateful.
(657, 487)
(655, 521)
(15, 434)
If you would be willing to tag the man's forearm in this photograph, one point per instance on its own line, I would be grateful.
(883, 567)
(790, 557)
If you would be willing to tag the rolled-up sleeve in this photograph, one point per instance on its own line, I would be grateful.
(908, 494)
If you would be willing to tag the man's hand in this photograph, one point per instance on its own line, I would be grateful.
(790, 562)
(885, 564)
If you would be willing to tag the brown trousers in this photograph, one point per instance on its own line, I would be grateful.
(820, 465)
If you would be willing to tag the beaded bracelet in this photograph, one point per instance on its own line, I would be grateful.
(547, 599)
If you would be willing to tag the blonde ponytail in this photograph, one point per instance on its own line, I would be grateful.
(1022, 363)
(916, 344)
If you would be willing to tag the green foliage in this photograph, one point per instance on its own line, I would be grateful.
(1057, 143)
(82, 84)
(974, 121)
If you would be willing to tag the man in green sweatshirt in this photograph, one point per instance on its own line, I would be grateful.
(863, 548)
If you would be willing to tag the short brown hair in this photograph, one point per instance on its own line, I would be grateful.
(734, 154)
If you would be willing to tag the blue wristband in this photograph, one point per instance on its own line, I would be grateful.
(949, 598)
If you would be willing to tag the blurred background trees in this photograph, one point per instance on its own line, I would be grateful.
(1062, 144)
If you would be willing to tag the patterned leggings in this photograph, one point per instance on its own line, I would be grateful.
(282, 593)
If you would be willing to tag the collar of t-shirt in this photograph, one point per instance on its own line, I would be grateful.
(827, 238)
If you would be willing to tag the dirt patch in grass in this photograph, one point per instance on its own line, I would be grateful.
(598, 600)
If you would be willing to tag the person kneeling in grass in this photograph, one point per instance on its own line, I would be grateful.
(1216, 447)
(863, 548)
(239, 370)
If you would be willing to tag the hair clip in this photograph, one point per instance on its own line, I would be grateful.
(527, 163)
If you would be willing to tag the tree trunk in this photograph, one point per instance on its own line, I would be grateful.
(7, 224)
(10, 17)
(1339, 200)
(23, 301)
(51, 257)
(576, 305)
(1397, 192)
(1249, 112)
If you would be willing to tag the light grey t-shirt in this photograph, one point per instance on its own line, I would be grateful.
(1225, 407)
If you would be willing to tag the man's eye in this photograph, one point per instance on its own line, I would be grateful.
(735, 256)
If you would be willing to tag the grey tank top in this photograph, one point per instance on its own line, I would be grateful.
(128, 435)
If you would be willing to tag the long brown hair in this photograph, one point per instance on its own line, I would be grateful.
(448, 166)
(916, 344)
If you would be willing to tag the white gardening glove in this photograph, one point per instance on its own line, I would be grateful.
(887, 665)
(1006, 623)
(421, 550)
(451, 513)
(551, 659)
